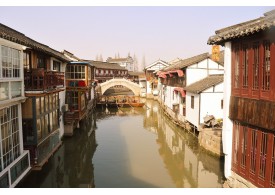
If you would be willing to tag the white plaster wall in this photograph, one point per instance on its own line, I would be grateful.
(227, 123)
(169, 97)
(192, 115)
(211, 105)
(169, 100)
(156, 66)
(215, 68)
(219, 87)
(201, 70)
(212, 72)
(193, 74)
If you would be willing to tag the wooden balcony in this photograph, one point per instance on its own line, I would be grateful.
(40, 79)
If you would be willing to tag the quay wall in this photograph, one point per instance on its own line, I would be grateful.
(209, 139)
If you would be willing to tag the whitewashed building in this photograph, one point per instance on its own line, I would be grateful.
(14, 160)
(127, 63)
(185, 72)
(204, 97)
(151, 78)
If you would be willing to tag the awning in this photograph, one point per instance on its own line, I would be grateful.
(164, 74)
(180, 72)
(181, 90)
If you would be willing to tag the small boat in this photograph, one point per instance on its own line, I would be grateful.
(135, 102)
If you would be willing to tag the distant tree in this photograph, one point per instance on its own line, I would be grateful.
(100, 58)
(135, 63)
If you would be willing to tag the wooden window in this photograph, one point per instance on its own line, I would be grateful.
(10, 62)
(16, 87)
(38, 129)
(27, 60)
(9, 132)
(245, 66)
(183, 100)
(192, 102)
(41, 62)
(75, 72)
(263, 153)
(256, 53)
(253, 152)
(38, 106)
(72, 100)
(243, 143)
(253, 155)
(56, 66)
(236, 67)
(266, 67)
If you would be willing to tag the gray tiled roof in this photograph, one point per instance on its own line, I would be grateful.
(204, 84)
(136, 73)
(243, 29)
(105, 65)
(17, 37)
(187, 62)
(65, 52)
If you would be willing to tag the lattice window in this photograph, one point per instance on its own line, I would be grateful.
(263, 154)
(253, 151)
(10, 62)
(266, 67)
(255, 84)
(245, 66)
(10, 143)
(236, 67)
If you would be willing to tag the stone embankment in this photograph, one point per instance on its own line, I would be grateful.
(209, 139)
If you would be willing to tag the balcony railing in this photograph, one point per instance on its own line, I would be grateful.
(40, 79)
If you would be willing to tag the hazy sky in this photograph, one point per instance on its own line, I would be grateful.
(163, 32)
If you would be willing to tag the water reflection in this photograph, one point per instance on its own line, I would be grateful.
(185, 162)
(129, 147)
(71, 166)
(188, 165)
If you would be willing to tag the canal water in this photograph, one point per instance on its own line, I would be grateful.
(129, 148)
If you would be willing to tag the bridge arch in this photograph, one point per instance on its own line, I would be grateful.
(135, 88)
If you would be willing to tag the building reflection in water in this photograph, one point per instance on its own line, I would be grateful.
(71, 166)
(186, 163)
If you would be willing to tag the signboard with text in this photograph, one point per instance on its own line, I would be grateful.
(216, 53)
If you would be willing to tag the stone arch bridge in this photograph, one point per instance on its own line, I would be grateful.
(102, 87)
